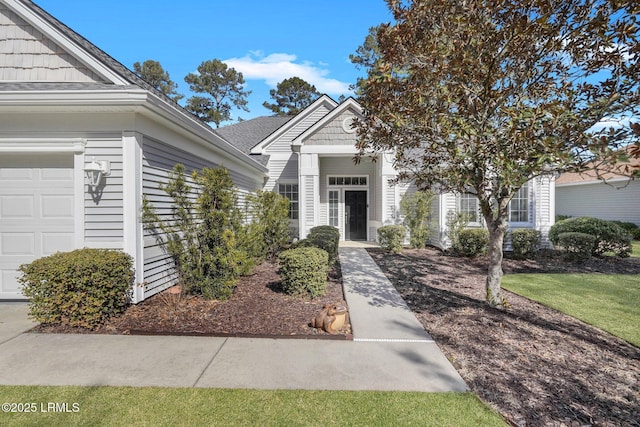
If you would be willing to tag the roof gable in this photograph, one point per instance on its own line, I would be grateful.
(342, 113)
(298, 124)
(37, 40)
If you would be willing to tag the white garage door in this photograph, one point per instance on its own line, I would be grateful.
(36, 212)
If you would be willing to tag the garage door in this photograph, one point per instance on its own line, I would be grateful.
(36, 212)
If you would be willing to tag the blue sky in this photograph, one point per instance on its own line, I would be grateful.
(266, 40)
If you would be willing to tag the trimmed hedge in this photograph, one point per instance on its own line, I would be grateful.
(525, 242)
(325, 237)
(576, 246)
(304, 271)
(391, 237)
(81, 288)
(630, 227)
(610, 237)
(472, 242)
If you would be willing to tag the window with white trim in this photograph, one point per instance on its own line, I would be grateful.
(290, 191)
(468, 204)
(334, 200)
(347, 180)
(519, 205)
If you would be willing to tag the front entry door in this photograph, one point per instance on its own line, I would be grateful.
(355, 203)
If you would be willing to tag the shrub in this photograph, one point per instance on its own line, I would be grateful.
(610, 237)
(268, 231)
(391, 237)
(81, 288)
(576, 246)
(472, 242)
(456, 222)
(630, 227)
(304, 271)
(525, 242)
(416, 208)
(201, 234)
(325, 237)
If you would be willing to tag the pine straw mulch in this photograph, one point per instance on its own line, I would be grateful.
(535, 365)
(257, 308)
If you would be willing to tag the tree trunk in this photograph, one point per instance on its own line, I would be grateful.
(494, 275)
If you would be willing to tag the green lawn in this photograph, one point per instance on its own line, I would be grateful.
(636, 248)
(153, 406)
(607, 301)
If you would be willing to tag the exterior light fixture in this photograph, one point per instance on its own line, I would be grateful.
(96, 170)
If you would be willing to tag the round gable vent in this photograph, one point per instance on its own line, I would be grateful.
(347, 123)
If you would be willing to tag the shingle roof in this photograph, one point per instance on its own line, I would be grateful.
(44, 86)
(247, 134)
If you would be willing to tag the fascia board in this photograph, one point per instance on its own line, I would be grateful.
(264, 144)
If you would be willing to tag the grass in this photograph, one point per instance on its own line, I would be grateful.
(635, 245)
(607, 301)
(154, 406)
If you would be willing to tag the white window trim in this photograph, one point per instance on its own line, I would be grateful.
(530, 211)
(479, 222)
(349, 176)
(290, 181)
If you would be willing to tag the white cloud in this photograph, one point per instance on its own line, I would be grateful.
(276, 67)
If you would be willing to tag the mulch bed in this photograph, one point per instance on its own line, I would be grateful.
(536, 366)
(257, 308)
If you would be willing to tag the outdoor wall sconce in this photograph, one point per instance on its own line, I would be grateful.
(96, 170)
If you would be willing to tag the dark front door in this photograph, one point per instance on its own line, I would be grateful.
(355, 203)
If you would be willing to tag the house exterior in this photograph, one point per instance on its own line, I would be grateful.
(616, 198)
(65, 103)
(310, 161)
(67, 107)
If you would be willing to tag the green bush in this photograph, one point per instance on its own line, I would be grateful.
(202, 233)
(416, 208)
(630, 227)
(81, 288)
(456, 222)
(304, 271)
(525, 242)
(610, 237)
(391, 237)
(268, 232)
(325, 237)
(576, 246)
(472, 242)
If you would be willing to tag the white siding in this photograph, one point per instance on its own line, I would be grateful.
(103, 208)
(27, 55)
(600, 200)
(158, 160)
(283, 143)
(333, 132)
(282, 167)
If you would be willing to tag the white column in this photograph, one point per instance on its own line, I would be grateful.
(132, 203)
(309, 192)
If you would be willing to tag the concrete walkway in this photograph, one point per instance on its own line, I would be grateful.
(390, 351)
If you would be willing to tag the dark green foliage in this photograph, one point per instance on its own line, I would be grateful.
(576, 246)
(304, 271)
(472, 242)
(390, 237)
(630, 227)
(153, 73)
(268, 232)
(610, 237)
(291, 96)
(562, 217)
(325, 237)
(81, 288)
(525, 242)
(416, 208)
(222, 88)
(201, 235)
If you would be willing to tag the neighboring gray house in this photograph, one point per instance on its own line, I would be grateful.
(310, 160)
(586, 195)
(64, 103)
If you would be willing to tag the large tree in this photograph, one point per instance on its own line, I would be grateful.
(152, 72)
(223, 89)
(482, 96)
(291, 96)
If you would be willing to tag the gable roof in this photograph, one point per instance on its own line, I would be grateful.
(619, 171)
(323, 100)
(117, 77)
(348, 104)
(246, 134)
